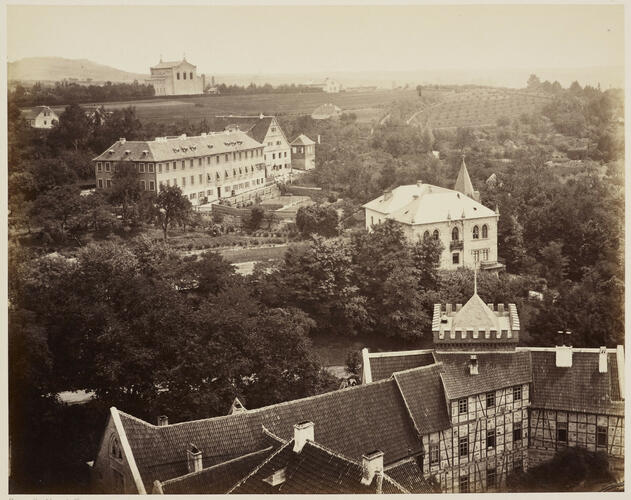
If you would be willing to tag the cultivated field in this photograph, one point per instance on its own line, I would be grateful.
(366, 105)
(480, 107)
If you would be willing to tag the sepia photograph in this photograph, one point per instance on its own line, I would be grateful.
(313, 248)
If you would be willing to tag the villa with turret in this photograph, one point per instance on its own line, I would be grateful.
(466, 228)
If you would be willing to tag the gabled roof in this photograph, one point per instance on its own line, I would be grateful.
(31, 114)
(219, 478)
(314, 470)
(579, 387)
(256, 127)
(424, 398)
(424, 204)
(177, 148)
(302, 140)
(496, 370)
(408, 474)
(463, 182)
(383, 365)
(476, 314)
(351, 421)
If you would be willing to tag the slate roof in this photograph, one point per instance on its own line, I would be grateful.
(408, 474)
(314, 470)
(217, 479)
(425, 204)
(424, 397)
(351, 421)
(179, 148)
(496, 370)
(577, 388)
(382, 367)
(463, 182)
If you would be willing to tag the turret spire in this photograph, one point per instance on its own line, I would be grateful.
(463, 182)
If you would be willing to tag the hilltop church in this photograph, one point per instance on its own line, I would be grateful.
(466, 228)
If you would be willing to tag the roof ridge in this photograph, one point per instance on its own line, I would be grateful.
(137, 419)
(433, 365)
(334, 453)
(272, 435)
(282, 403)
(411, 352)
(195, 473)
(395, 483)
(257, 468)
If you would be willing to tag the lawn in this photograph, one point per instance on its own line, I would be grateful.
(366, 105)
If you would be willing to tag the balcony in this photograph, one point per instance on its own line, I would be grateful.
(456, 245)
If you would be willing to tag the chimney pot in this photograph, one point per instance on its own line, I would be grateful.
(372, 464)
(163, 420)
(602, 360)
(122, 140)
(303, 432)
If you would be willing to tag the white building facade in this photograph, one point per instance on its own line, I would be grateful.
(41, 117)
(466, 229)
(176, 78)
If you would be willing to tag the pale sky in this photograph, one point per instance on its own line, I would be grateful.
(301, 39)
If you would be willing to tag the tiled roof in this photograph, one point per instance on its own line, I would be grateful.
(496, 370)
(423, 394)
(302, 140)
(255, 126)
(351, 421)
(382, 367)
(314, 470)
(179, 148)
(217, 479)
(577, 388)
(425, 204)
(31, 114)
(408, 474)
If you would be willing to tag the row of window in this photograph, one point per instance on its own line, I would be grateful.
(280, 155)
(601, 434)
(455, 233)
(301, 149)
(140, 166)
(184, 75)
(463, 403)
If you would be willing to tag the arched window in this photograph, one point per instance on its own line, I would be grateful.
(436, 235)
(476, 232)
(485, 231)
(426, 235)
(115, 449)
(455, 234)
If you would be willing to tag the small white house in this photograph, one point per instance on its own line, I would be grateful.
(41, 117)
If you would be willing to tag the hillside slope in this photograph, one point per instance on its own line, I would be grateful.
(59, 68)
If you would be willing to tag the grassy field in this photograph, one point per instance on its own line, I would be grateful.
(366, 105)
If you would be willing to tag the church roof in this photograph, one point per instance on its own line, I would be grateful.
(476, 314)
(463, 182)
(171, 64)
(425, 204)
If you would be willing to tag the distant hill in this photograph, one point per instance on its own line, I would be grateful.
(58, 68)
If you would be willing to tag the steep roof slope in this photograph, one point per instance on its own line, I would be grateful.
(476, 314)
(423, 394)
(351, 421)
(463, 182)
(577, 388)
(313, 470)
(408, 474)
(495, 371)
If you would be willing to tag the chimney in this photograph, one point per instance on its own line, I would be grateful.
(387, 195)
(318, 138)
(163, 420)
(303, 432)
(122, 140)
(602, 360)
(193, 458)
(419, 183)
(563, 356)
(473, 365)
(261, 116)
(372, 464)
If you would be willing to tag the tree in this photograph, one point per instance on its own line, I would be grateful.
(57, 206)
(73, 128)
(426, 254)
(533, 82)
(253, 221)
(553, 263)
(317, 219)
(464, 138)
(125, 190)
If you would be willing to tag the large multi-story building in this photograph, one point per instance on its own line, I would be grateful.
(176, 78)
(463, 415)
(208, 167)
(267, 131)
(466, 228)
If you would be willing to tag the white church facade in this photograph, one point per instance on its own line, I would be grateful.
(466, 228)
(176, 78)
